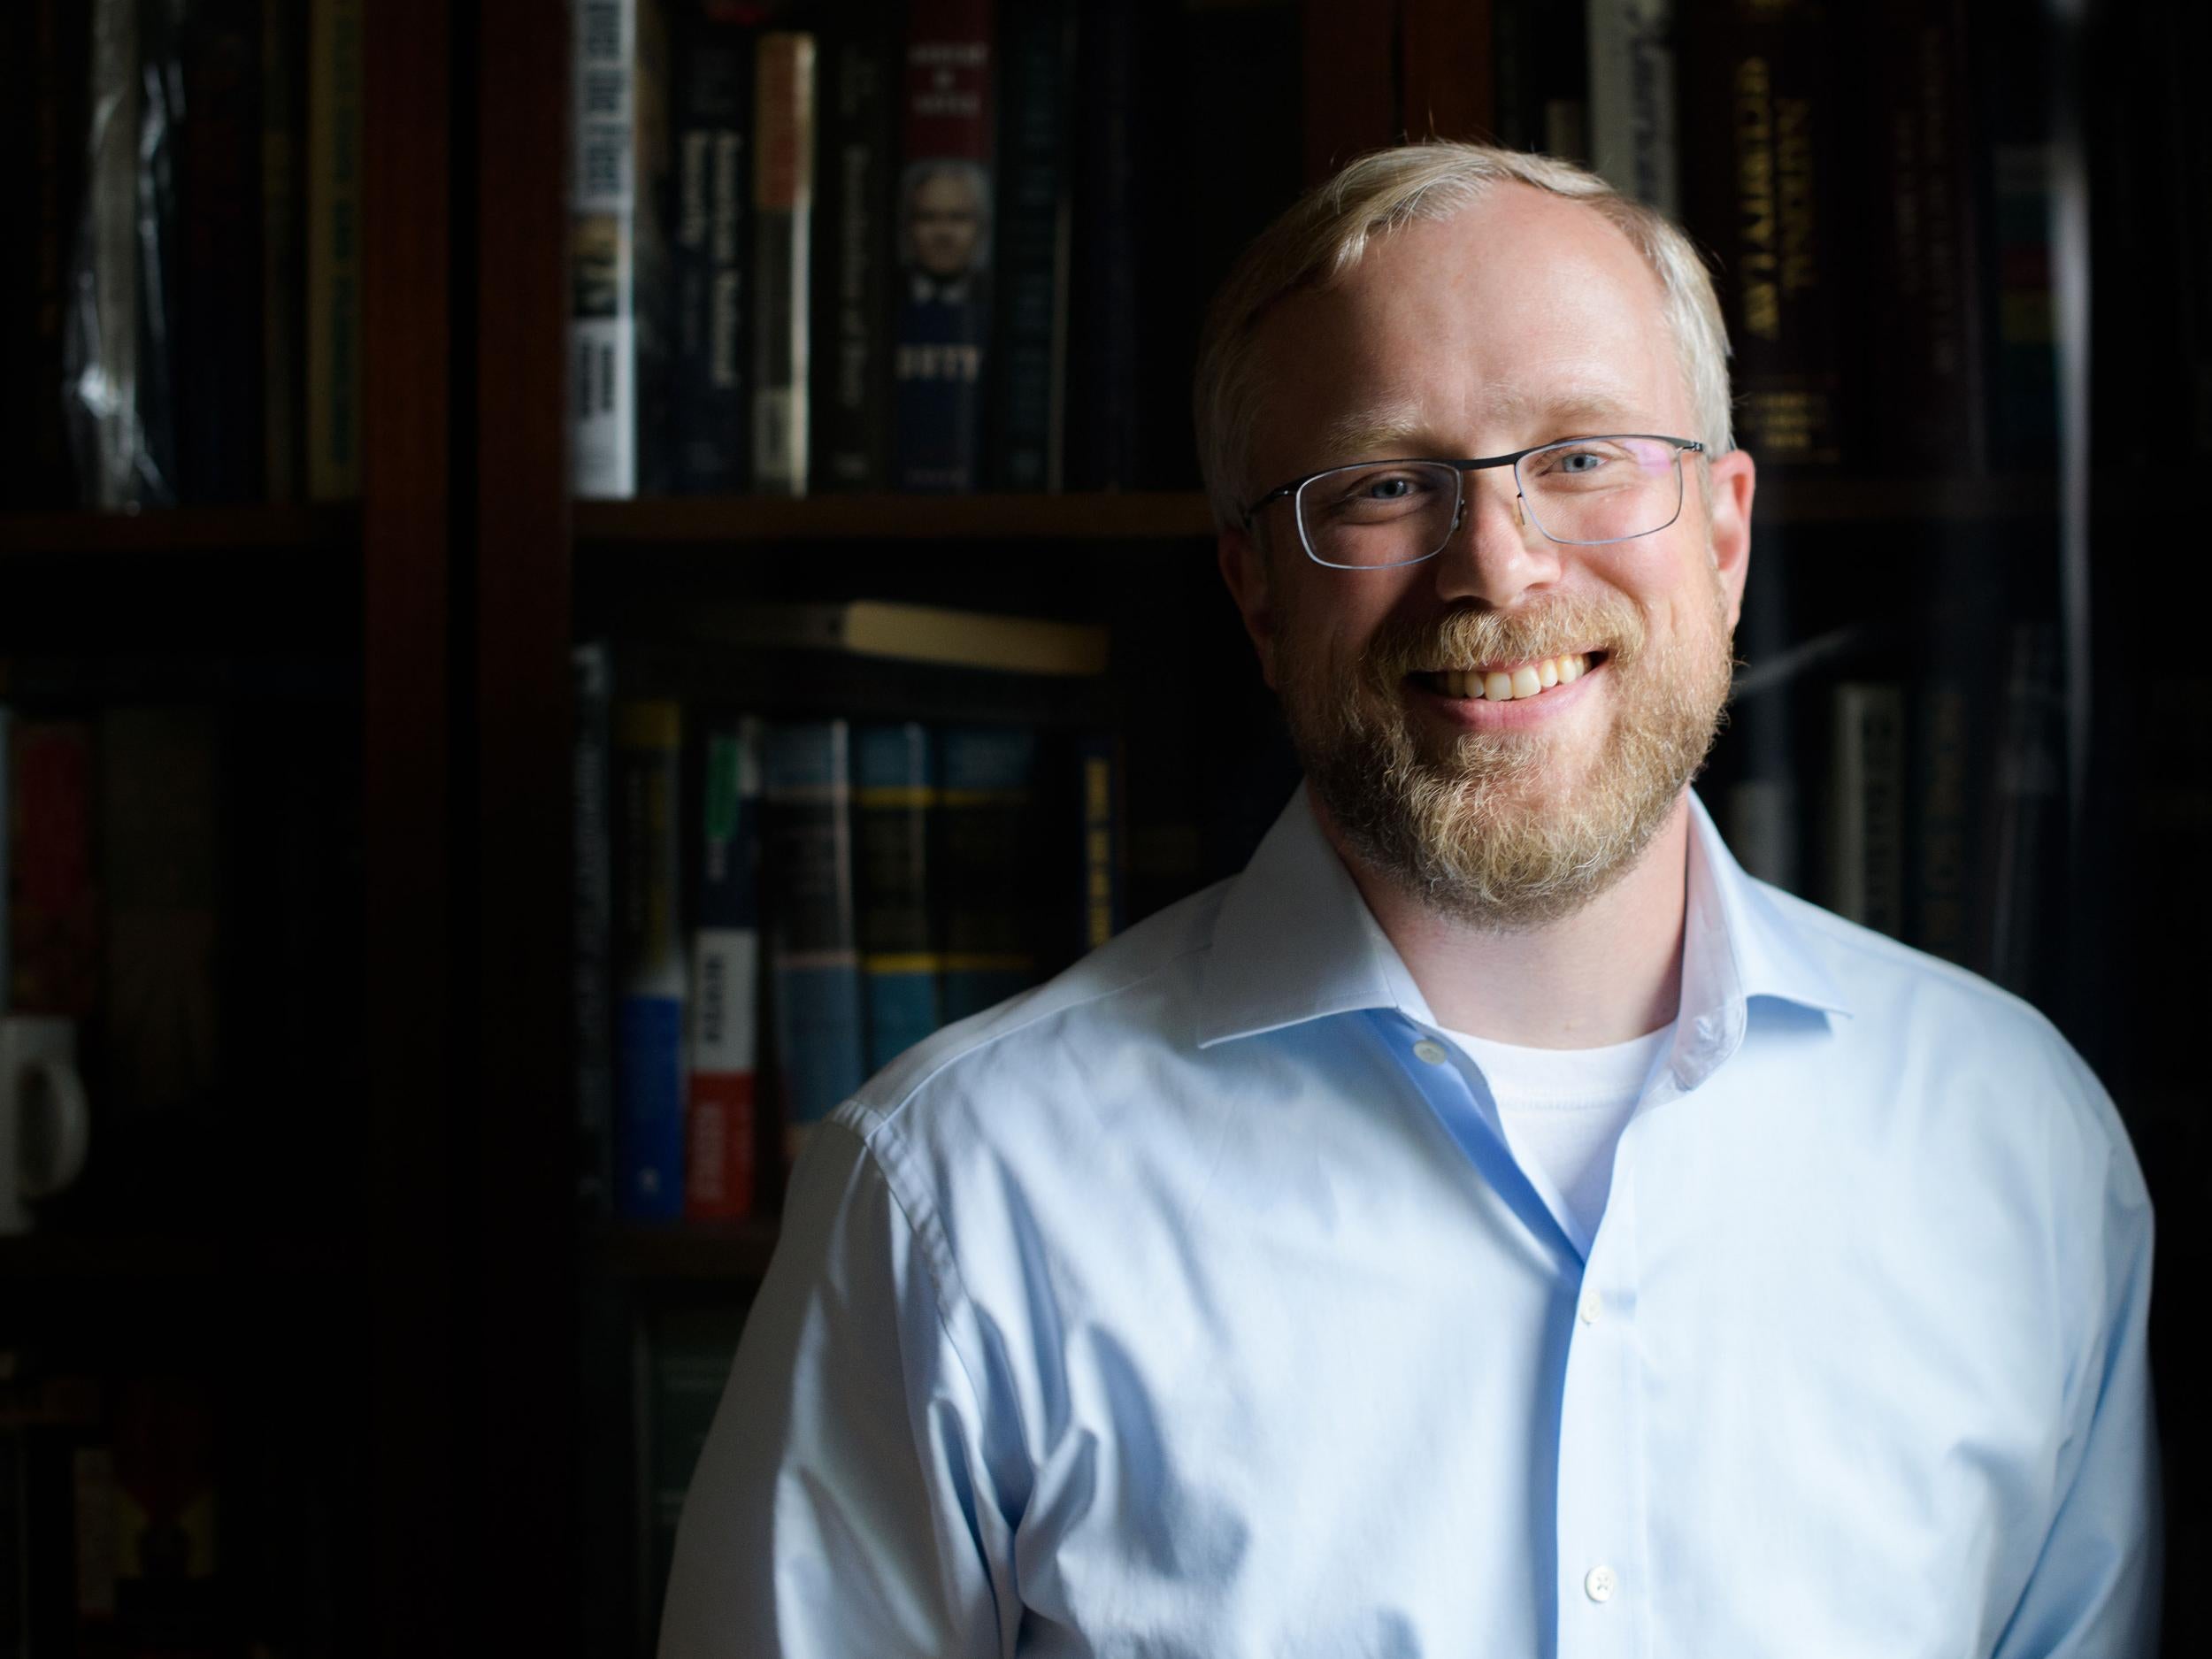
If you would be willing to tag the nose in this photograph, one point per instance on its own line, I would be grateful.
(1495, 555)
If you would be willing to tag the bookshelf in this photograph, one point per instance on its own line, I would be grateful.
(454, 1341)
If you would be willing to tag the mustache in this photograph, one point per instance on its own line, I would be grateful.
(1462, 638)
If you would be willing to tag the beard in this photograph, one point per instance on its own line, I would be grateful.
(1496, 829)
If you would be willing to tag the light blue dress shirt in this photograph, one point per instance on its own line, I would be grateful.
(1193, 1304)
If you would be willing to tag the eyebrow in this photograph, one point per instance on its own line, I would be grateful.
(1401, 426)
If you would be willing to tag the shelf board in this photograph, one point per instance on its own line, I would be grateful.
(274, 527)
(738, 1251)
(1167, 516)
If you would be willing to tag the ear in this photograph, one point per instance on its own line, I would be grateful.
(1732, 479)
(1244, 569)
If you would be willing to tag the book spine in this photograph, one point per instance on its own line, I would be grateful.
(218, 350)
(334, 251)
(1943, 805)
(814, 953)
(1105, 858)
(1105, 341)
(783, 217)
(894, 799)
(162, 363)
(602, 328)
(55, 910)
(987, 852)
(1762, 96)
(946, 211)
(1926, 410)
(683, 1357)
(282, 386)
(2024, 367)
(594, 926)
(648, 952)
(1028, 361)
(721, 1121)
(852, 374)
(2021, 898)
(709, 232)
(1631, 99)
(1868, 872)
(7, 855)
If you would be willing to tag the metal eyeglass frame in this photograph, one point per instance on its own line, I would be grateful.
(1682, 446)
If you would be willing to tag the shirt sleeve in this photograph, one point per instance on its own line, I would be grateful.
(2094, 1590)
(841, 1505)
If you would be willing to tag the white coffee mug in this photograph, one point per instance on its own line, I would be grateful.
(45, 1122)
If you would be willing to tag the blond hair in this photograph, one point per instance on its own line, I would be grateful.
(1325, 234)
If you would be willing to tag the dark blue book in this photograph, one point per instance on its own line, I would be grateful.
(650, 962)
(1028, 360)
(855, 126)
(987, 850)
(894, 798)
(813, 949)
(708, 224)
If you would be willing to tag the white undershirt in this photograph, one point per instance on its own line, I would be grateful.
(1564, 1109)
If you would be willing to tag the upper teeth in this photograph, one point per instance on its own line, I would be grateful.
(1504, 685)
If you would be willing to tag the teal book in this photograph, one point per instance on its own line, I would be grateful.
(813, 950)
(894, 799)
(987, 850)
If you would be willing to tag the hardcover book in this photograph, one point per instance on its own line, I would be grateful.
(709, 435)
(945, 241)
(594, 926)
(853, 270)
(783, 234)
(986, 865)
(1027, 377)
(650, 962)
(334, 251)
(895, 799)
(814, 951)
(720, 1120)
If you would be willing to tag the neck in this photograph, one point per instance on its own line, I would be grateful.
(1609, 973)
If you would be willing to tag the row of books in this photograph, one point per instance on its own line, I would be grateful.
(185, 181)
(768, 911)
(1877, 187)
(822, 259)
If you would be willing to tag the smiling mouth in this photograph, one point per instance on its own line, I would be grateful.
(1508, 682)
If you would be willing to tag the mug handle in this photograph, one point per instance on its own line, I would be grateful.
(72, 1129)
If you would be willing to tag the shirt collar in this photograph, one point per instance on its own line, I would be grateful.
(1295, 940)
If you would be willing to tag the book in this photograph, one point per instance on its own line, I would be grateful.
(1542, 54)
(2024, 887)
(1631, 100)
(7, 853)
(593, 926)
(54, 910)
(1024, 423)
(918, 634)
(987, 865)
(167, 1562)
(681, 1360)
(1105, 839)
(850, 449)
(1943, 818)
(1769, 195)
(1867, 852)
(945, 244)
(163, 120)
(894, 802)
(602, 331)
(783, 215)
(1926, 407)
(1104, 444)
(813, 940)
(220, 303)
(709, 435)
(648, 961)
(720, 1123)
(334, 213)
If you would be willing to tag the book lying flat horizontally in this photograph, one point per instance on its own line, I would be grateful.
(918, 634)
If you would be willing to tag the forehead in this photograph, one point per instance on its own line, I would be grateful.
(1479, 329)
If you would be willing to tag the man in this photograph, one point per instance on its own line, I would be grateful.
(1492, 1224)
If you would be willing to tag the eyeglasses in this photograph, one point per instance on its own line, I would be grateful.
(1581, 491)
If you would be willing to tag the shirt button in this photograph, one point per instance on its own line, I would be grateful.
(1433, 1052)
(1599, 1585)
(1590, 1306)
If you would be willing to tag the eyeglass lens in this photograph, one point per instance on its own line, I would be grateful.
(1583, 490)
